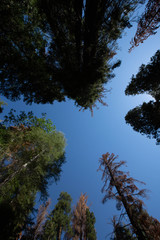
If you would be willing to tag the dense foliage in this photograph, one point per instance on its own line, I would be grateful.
(59, 219)
(146, 118)
(32, 154)
(90, 228)
(53, 49)
(147, 79)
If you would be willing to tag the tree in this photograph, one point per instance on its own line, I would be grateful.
(121, 232)
(59, 219)
(35, 231)
(57, 49)
(90, 232)
(32, 154)
(24, 69)
(79, 217)
(84, 35)
(83, 220)
(145, 120)
(120, 186)
(147, 79)
(147, 24)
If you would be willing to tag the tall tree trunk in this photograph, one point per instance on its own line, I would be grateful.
(138, 229)
(59, 232)
(78, 30)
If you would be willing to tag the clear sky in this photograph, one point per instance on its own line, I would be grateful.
(89, 137)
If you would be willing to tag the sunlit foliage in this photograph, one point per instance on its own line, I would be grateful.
(32, 154)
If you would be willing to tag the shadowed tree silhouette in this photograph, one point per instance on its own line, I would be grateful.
(147, 79)
(145, 118)
(121, 231)
(56, 49)
(35, 231)
(148, 23)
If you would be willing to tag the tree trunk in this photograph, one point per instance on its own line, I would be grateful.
(138, 229)
(59, 232)
(20, 169)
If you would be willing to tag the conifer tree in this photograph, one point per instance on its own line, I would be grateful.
(35, 231)
(56, 49)
(148, 23)
(79, 217)
(83, 220)
(146, 117)
(120, 186)
(90, 232)
(147, 79)
(121, 231)
(59, 219)
(32, 153)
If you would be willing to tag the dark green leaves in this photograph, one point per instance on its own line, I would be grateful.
(145, 118)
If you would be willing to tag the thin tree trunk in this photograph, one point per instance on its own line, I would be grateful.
(78, 30)
(59, 232)
(20, 169)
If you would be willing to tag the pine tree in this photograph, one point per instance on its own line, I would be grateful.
(147, 79)
(83, 220)
(59, 219)
(120, 186)
(23, 61)
(79, 217)
(121, 231)
(145, 118)
(90, 232)
(148, 23)
(32, 153)
(35, 231)
(56, 49)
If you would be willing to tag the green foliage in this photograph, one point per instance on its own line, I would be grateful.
(31, 156)
(28, 120)
(147, 79)
(57, 49)
(24, 69)
(59, 220)
(145, 120)
(90, 229)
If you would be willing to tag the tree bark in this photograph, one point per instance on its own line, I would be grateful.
(138, 230)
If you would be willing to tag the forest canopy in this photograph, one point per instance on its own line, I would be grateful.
(32, 155)
(57, 49)
(146, 118)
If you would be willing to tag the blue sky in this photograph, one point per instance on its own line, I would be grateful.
(89, 137)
